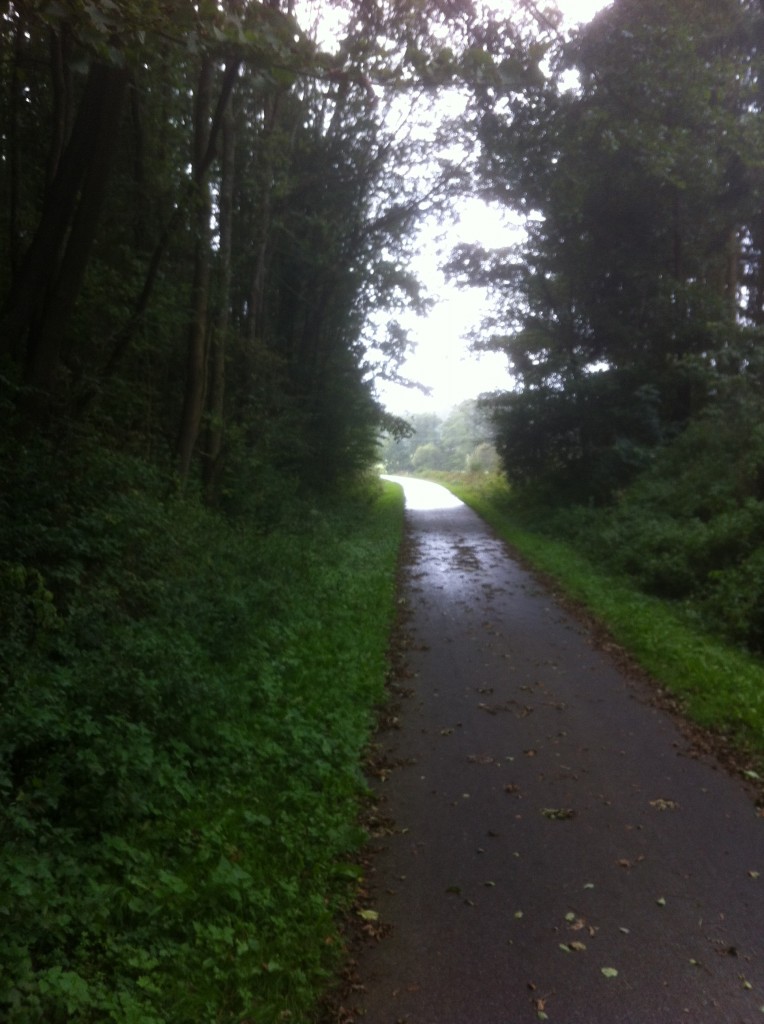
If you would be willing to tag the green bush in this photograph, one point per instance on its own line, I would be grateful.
(689, 529)
(185, 700)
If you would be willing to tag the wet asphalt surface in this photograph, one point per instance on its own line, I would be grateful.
(558, 850)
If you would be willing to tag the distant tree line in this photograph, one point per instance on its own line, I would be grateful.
(461, 441)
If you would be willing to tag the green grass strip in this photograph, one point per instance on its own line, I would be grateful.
(721, 688)
(185, 849)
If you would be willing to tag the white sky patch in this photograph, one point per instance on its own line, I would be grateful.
(442, 359)
(579, 11)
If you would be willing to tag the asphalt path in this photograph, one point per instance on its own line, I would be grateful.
(549, 845)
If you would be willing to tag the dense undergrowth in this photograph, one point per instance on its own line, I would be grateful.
(185, 698)
(674, 566)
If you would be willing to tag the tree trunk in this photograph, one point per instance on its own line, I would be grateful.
(257, 289)
(61, 83)
(732, 274)
(124, 337)
(196, 346)
(46, 287)
(216, 402)
(14, 158)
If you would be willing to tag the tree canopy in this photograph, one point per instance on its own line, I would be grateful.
(637, 160)
(201, 209)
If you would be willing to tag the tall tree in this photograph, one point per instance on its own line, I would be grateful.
(640, 178)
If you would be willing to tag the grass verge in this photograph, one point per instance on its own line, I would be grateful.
(719, 687)
(185, 704)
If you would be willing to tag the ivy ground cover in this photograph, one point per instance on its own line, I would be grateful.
(185, 700)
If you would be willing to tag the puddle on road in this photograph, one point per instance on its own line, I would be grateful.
(464, 558)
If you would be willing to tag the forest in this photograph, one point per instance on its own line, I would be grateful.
(208, 212)
(459, 442)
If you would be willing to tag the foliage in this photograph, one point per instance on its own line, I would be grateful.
(203, 213)
(460, 440)
(689, 528)
(185, 699)
(630, 316)
(637, 162)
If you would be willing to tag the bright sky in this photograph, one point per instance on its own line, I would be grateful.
(442, 359)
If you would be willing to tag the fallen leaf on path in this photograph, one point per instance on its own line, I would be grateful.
(572, 947)
(609, 972)
(578, 924)
(664, 805)
(511, 788)
(368, 915)
(558, 813)
(661, 901)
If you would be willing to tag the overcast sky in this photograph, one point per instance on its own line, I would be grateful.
(442, 359)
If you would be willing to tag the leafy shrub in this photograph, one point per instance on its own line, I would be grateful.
(185, 698)
(690, 528)
(735, 599)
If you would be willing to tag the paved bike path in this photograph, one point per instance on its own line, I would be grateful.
(559, 850)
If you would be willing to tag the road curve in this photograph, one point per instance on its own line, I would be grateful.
(559, 851)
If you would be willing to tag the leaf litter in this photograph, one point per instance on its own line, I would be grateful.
(664, 805)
